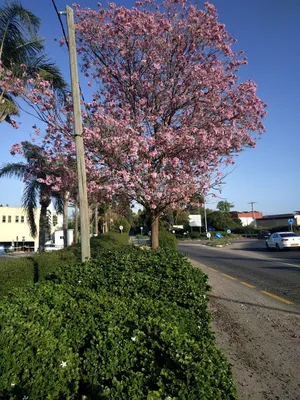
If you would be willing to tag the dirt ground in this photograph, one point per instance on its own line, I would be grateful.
(260, 337)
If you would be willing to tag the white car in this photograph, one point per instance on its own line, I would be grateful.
(282, 240)
(51, 247)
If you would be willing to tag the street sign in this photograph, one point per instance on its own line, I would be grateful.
(290, 221)
(228, 231)
(195, 220)
(121, 227)
(218, 235)
(208, 235)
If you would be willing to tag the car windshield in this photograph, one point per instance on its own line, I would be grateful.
(288, 235)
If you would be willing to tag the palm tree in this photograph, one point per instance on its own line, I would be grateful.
(20, 44)
(37, 168)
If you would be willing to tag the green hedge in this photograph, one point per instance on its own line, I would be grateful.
(18, 272)
(132, 324)
(167, 240)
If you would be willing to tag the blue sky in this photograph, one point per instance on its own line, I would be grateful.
(268, 31)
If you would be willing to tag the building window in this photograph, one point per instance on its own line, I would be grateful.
(9, 218)
(3, 218)
(17, 218)
(22, 219)
(54, 220)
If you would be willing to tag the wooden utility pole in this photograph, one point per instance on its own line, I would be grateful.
(252, 208)
(81, 173)
(96, 220)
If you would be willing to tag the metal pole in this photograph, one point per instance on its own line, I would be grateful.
(81, 172)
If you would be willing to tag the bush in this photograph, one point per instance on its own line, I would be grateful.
(250, 230)
(15, 273)
(18, 272)
(108, 240)
(167, 240)
(120, 221)
(197, 235)
(282, 228)
(132, 324)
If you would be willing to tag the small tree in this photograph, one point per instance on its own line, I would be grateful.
(221, 221)
(224, 207)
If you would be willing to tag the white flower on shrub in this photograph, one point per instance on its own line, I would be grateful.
(133, 338)
(12, 384)
(25, 398)
(63, 364)
(79, 281)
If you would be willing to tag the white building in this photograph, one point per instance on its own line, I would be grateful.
(15, 231)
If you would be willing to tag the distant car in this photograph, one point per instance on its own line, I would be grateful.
(263, 234)
(51, 247)
(282, 240)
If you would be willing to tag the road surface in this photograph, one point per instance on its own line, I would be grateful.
(249, 261)
(256, 315)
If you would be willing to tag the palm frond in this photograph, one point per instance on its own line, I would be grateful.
(18, 33)
(29, 202)
(49, 71)
(32, 152)
(20, 44)
(14, 170)
(58, 202)
(7, 107)
(28, 20)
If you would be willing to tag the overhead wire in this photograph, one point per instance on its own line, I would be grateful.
(66, 39)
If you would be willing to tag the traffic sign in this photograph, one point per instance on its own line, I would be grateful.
(228, 231)
(218, 235)
(208, 235)
(121, 227)
(290, 221)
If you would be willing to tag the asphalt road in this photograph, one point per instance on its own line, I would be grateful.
(249, 261)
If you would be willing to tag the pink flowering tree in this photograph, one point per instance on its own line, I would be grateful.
(167, 107)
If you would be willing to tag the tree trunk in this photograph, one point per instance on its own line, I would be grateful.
(76, 222)
(96, 220)
(154, 232)
(65, 218)
(43, 222)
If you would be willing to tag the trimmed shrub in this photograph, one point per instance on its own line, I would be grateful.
(18, 272)
(15, 273)
(167, 240)
(108, 240)
(132, 324)
(197, 235)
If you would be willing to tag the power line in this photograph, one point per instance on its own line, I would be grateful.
(61, 23)
(59, 13)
